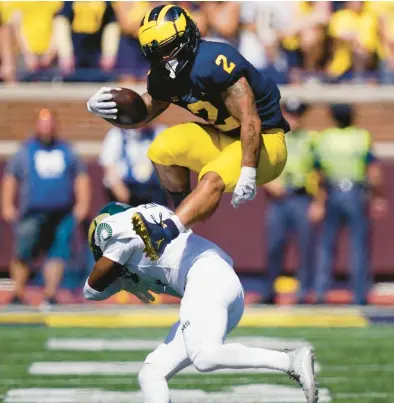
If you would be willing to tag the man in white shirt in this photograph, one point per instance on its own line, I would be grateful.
(212, 301)
(129, 176)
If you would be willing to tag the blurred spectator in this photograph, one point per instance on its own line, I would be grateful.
(294, 204)
(131, 65)
(32, 23)
(54, 195)
(304, 35)
(250, 45)
(291, 42)
(354, 34)
(129, 176)
(223, 20)
(261, 24)
(7, 55)
(195, 9)
(87, 36)
(384, 12)
(349, 170)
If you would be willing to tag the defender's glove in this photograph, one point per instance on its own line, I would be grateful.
(160, 288)
(139, 289)
(131, 281)
(245, 188)
(101, 104)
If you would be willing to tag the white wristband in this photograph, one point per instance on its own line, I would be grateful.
(94, 295)
(89, 293)
(249, 173)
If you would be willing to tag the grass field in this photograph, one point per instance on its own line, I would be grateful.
(356, 366)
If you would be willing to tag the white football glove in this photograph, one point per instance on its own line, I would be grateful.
(134, 284)
(159, 288)
(102, 104)
(245, 189)
(139, 289)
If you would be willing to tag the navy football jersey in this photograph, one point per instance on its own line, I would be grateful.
(216, 67)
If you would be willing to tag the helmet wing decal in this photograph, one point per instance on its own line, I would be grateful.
(93, 225)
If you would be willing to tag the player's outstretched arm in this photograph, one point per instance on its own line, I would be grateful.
(240, 102)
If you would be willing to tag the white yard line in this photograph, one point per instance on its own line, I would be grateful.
(87, 344)
(369, 395)
(362, 368)
(242, 394)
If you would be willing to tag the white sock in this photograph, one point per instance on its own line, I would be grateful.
(178, 223)
(238, 356)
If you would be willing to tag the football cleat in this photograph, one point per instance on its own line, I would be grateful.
(302, 370)
(156, 236)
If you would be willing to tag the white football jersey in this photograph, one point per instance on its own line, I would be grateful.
(118, 241)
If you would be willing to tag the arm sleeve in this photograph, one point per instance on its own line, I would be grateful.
(14, 166)
(121, 250)
(223, 70)
(111, 148)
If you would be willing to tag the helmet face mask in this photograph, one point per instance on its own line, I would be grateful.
(177, 50)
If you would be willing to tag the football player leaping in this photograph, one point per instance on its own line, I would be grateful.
(212, 301)
(242, 147)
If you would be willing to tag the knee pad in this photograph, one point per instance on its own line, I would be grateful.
(203, 361)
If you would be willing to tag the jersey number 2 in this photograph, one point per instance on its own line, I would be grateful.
(229, 123)
(222, 60)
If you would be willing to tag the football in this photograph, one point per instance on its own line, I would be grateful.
(130, 105)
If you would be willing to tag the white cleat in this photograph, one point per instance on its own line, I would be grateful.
(303, 371)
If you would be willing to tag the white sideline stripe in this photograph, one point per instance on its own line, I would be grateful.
(86, 344)
(317, 93)
(382, 149)
(120, 368)
(131, 382)
(242, 394)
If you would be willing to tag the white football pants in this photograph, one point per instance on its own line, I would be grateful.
(211, 307)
